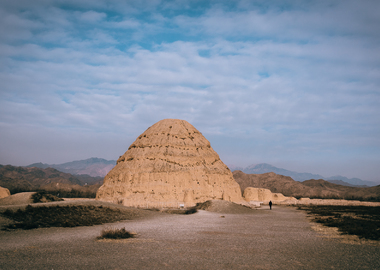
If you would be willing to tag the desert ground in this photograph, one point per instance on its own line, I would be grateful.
(281, 238)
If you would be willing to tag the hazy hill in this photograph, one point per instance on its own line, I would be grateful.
(346, 192)
(349, 181)
(91, 166)
(25, 179)
(310, 188)
(265, 168)
(342, 183)
(275, 182)
(19, 177)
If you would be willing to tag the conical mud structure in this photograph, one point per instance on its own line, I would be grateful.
(170, 165)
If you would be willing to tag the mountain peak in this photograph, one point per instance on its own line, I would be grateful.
(260, 166)
(92, 166)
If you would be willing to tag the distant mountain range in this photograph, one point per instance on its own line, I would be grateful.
(76, 177)
(300, 177)
(91, 166)
(19, 179)
(310, 188)
(96, 167)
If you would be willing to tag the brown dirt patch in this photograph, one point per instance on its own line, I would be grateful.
(224, 207)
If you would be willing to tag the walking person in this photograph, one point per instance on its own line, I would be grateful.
(270, 205)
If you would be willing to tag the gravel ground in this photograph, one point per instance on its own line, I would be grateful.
(281, 238)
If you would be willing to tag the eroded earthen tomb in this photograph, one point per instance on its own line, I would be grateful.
(171, 164)
(264, 195)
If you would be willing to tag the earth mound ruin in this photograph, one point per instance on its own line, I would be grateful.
(264, 195)
(171, 164)
(4, 192)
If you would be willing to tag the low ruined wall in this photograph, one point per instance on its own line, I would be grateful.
(308, 201)
(263, 195)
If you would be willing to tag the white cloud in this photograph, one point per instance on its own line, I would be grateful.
(289, 84)
(15, 28)
(92, 16)
(126, 23)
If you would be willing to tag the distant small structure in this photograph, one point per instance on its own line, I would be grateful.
(258, 196)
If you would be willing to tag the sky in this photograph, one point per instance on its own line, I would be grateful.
(295, 84)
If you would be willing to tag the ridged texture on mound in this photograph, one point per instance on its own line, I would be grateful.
(170, 164)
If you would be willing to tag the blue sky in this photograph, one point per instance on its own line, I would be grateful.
(290, 83)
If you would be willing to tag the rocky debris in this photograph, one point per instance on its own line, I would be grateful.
(4, 192)
(171, 164)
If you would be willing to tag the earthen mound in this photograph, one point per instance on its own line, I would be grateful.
(171, 164)
(264, 195)
(18, 199)
(224, 207)
(4, 192)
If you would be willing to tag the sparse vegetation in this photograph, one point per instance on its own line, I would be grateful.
(43, 196)
(60, 184)
(346, 197)
(187, 211)
(361, 198)
(114, 233)
(73, 193)
(60, 193)
(63, 216)
(363, 221)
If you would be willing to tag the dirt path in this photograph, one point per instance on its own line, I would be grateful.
(278, 239)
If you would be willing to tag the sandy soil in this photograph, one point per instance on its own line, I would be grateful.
(281, 238)
(17, 199)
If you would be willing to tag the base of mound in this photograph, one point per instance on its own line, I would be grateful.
(224, 207)
(18, 199)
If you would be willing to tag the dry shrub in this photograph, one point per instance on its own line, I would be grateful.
(187, 211)
(114, 233)
(42, 197)
(63, 216)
